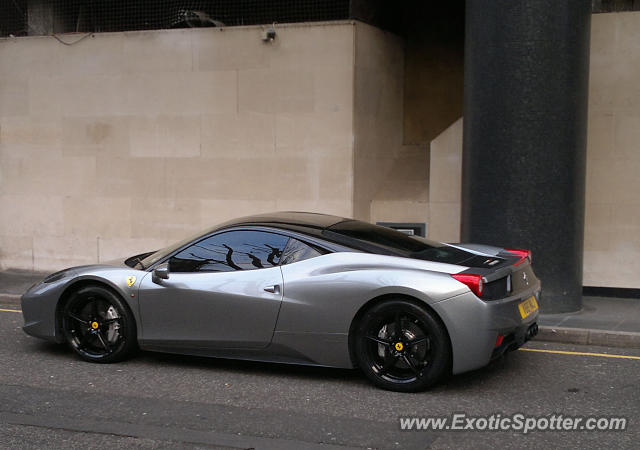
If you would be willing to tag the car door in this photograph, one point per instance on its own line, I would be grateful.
(223, 291)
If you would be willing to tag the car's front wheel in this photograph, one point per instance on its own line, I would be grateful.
(401, 346)
(97, 325)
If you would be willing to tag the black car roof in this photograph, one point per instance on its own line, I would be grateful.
(332, 230)
(306, 222)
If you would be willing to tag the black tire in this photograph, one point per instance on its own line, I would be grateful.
(98, 326)
(400, 346)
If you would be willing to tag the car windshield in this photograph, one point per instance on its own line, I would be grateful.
(162, 253)
(377, 239)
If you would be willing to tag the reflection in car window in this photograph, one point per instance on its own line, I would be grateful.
(298, 251)
(229, 251)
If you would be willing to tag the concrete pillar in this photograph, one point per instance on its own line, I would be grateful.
(525, 117)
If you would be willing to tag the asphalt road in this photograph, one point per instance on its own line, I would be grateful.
(51, 399)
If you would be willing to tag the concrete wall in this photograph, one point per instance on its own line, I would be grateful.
(445, 181)
(390, 179)
(434, 69)
(612, 232)
(126, 141)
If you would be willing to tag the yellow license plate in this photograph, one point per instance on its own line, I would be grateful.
(528, 306)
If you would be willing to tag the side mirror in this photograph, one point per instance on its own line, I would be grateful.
(160, 273)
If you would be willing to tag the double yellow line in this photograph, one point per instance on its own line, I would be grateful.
(562, 352)
(10, 310)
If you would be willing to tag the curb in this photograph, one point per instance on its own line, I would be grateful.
(586, 336)
(10, 299)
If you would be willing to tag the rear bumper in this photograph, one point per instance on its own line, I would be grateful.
(474, 326)
(515, 340)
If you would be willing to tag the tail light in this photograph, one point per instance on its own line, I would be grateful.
(522, 254)
(473, 282)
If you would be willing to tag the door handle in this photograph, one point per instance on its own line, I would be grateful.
(275, 289)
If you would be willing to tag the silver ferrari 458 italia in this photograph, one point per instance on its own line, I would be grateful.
(299, 288)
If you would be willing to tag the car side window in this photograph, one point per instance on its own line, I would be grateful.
(299, 251)
(229, 251)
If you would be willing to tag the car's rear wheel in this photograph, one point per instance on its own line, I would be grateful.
(98, 326)
(401, 346)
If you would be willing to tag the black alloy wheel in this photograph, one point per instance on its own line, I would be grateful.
(98, 326)
(400, 346)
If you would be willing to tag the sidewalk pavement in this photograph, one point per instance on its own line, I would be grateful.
(14, 283)
(607, 321)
